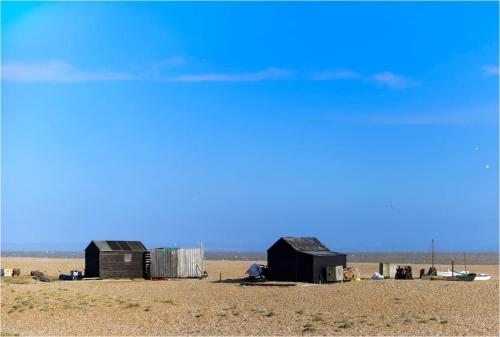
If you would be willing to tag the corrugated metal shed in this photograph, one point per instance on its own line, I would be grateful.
(176, 262)
(190, 262)
(163, 263)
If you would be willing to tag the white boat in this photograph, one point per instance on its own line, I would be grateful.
(450, 273)
(482, 277)
(479, 276)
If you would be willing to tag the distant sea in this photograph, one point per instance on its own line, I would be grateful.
(389, 257)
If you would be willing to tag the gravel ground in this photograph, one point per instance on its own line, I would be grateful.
(208, 307)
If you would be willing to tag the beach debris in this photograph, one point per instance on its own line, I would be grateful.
(39, 276)
(256, 273)
(334, 274)
(64, 277)
(351, 274)
(387, 269)
(73, 275)
(7, 272)
(254, 270)
(403, 273)
(16, 272)
(424, 276)
(432, 271)
(36, 273)
(377, 276)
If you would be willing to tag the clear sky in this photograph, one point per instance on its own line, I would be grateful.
(373, 126)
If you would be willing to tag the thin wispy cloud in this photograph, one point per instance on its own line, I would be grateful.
(333, 75)
(268, 74)
(491, 70)
(386, 78)
(58, 71)
(393, 81)
(453, 117)
(64, 72)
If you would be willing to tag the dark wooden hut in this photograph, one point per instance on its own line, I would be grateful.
(301, 259)
(115, 259)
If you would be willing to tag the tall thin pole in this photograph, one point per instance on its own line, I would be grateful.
(433, 252)
(465, 263)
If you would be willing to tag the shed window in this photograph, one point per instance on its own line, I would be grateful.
(127, 257)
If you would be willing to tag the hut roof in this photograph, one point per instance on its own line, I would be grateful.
(110, 246)
(322, 253)
(306, 244)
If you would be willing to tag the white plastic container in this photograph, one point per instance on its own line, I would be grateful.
(388, 270)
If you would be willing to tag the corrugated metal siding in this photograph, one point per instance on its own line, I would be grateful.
(163, 263)
(183, 262)
(190, 262)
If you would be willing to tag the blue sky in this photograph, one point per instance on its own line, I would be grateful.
(373, 126)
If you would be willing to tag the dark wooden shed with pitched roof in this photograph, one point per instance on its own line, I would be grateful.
(301, 259)
(115, 259)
